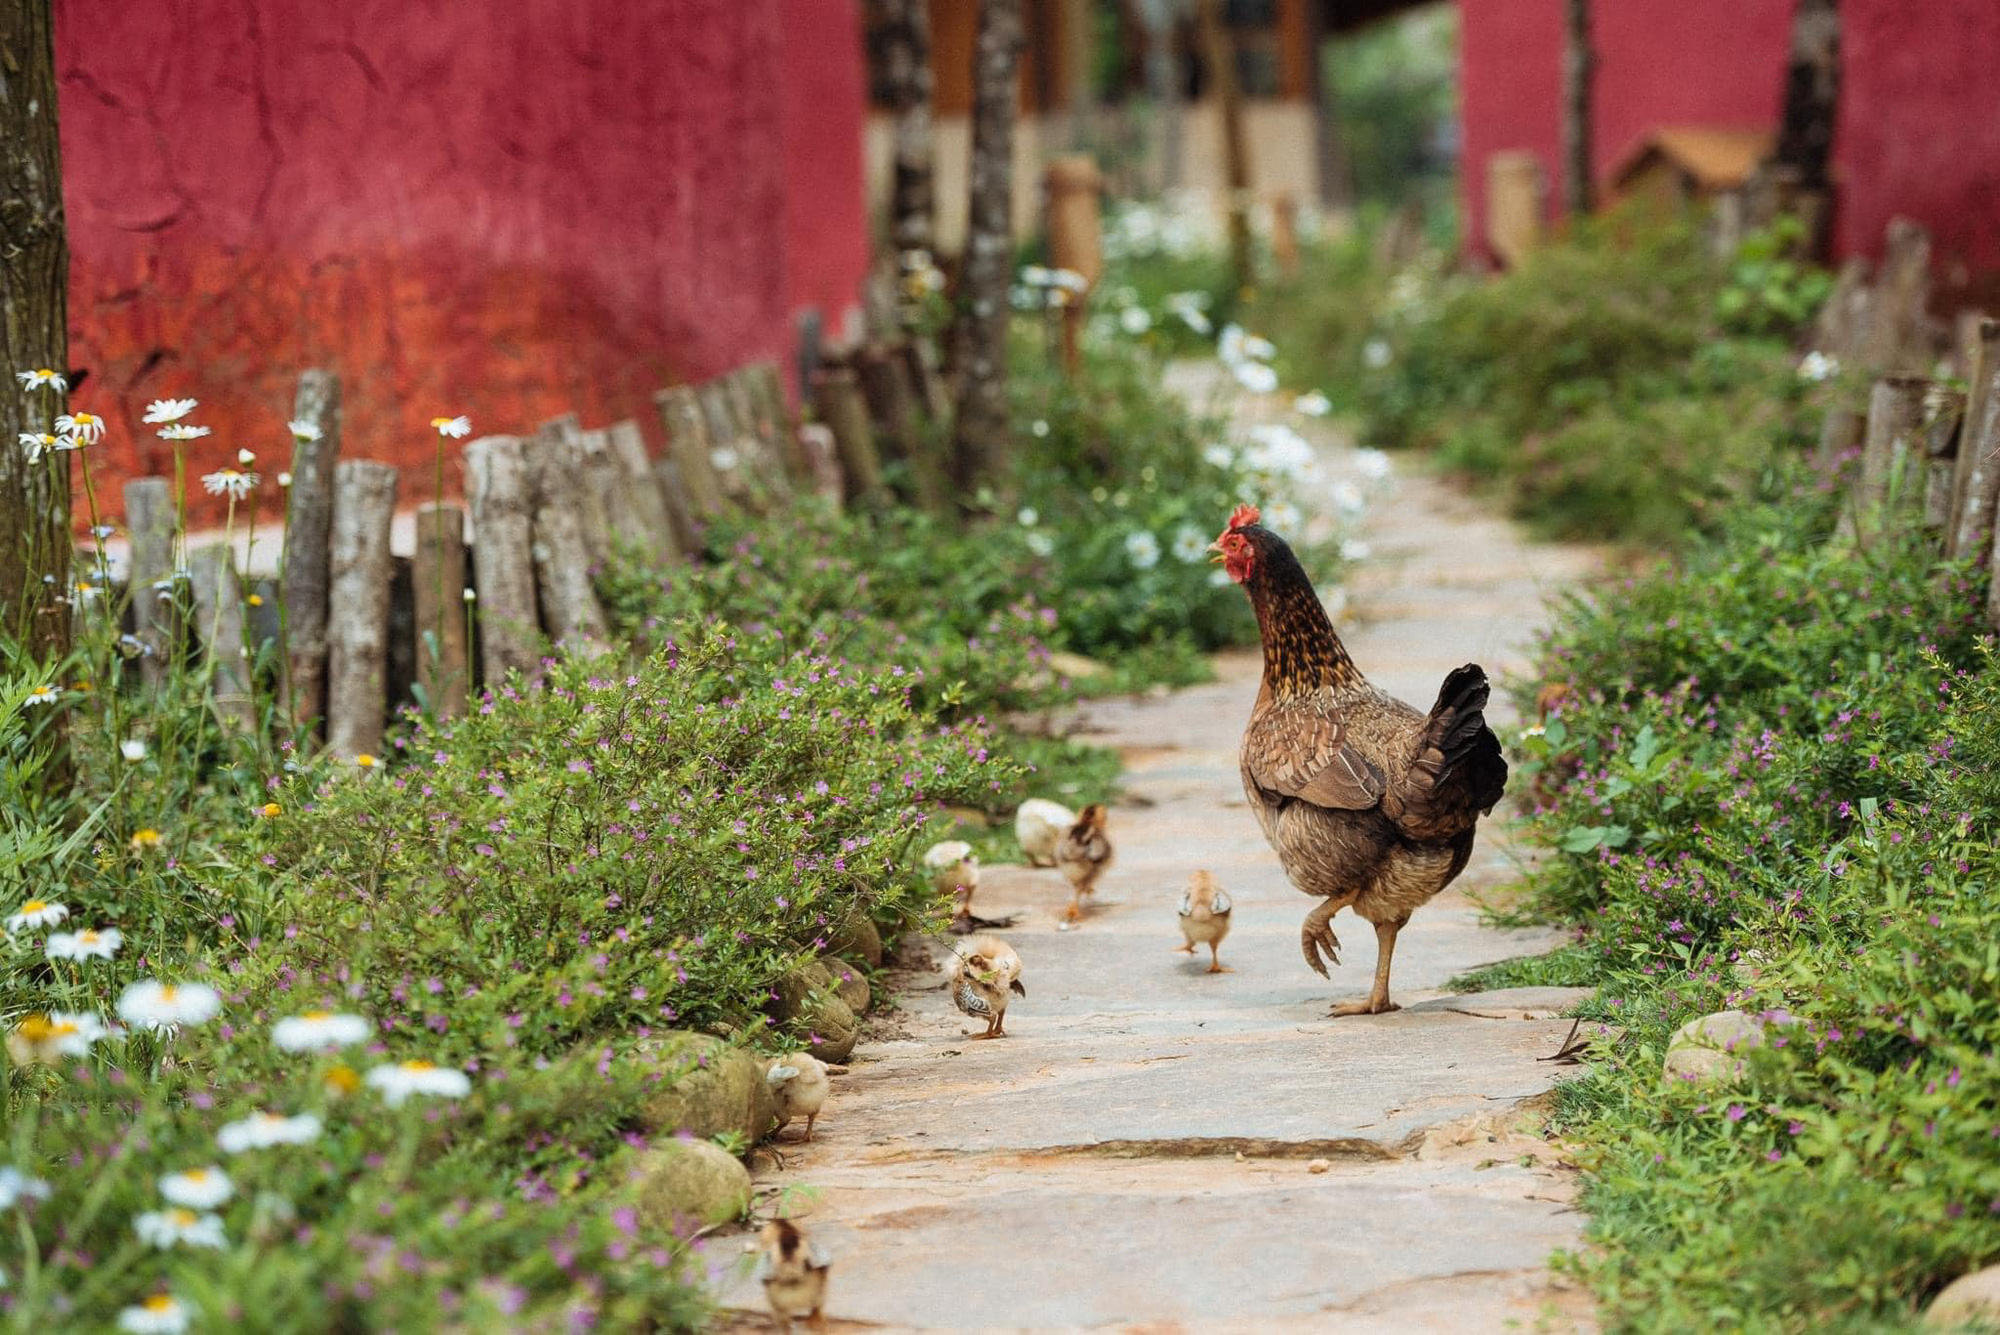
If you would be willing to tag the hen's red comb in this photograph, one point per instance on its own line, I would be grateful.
(1245, 514)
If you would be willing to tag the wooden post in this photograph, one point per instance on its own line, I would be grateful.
(767, 391)
(437, 581)
(560, 445)
(1516, 193)
(1896, 342)
(149, 527)
(1944, 416)
(1977, 475)
(687, 441)
(900, 61)
(1218, 49)
(658, 532)
(841, 407)
(765, 476)
(823, 458)
(1579, 73)
(562, 554)
(673, 491)
(218, 612)
(500, 489)
(883, 374)
(1285, 234)
(1894, 438)
(1811, 109)
(1076, 241)
(308, 546)
(929, 380)
(357, 673)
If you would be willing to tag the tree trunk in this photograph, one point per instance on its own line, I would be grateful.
(1812, 95)
(1579, 72)
(500, 488)
(902, 52)
(437, 582)
(1219, 47)
(979, 336)
(357, 672)
(1163, 90)
(34, 334)
(308, 545)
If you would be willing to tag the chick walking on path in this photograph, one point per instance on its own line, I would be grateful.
(1204, 917)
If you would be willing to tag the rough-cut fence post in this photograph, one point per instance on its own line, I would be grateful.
(1944, 418)
(822, 461)
(437, 581)
(1894, 437)
(841, 407)
(560, 444)
(149, 527)
(654, 522)
(218, 611)
(673, 491)
(502, 494)
(688, 443)
(1898, 342)
(308, 542)
(884, 377)
(562, 555)
(768, 393)
(357, 673)
(929, 380)
(1976, 481)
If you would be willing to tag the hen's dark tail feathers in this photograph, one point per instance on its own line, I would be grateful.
(1457, 740)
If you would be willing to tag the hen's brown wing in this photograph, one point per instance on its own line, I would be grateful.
(1298, 748)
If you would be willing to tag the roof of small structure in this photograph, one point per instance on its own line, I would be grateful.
(1717, 157)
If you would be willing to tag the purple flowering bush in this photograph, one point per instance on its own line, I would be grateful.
(1771, 788)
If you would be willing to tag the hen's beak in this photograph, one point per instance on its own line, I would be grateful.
(1215, 552)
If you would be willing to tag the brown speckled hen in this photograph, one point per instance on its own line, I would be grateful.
(1370, 804)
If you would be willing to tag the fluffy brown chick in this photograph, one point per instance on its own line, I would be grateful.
(984, 973)
(1205, 918)
(1083, 854)
(794, 1271)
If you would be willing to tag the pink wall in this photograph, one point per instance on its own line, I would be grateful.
(1920, 116)
(506, 210)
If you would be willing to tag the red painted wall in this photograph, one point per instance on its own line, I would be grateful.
(1919, 130)
(504, 210)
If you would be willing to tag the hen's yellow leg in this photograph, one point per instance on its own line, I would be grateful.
(1378, 1002)
(1215, 964)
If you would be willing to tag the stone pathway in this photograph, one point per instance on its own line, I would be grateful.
(1139, 1153)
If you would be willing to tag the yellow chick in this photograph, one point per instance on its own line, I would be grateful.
(1083, 854)
(982, 976)
(1205, 918)
(799, 1087)
(1039, 825)
(794, 1272)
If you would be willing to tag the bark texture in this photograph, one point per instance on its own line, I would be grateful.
(502, 495)
(357, 695)
(845, 412)
(562, 554)
(437, 586)
(979, 335)
(901, 53)
(149, 527)
(218, 612)
(658, 536)
(688, 444)
(34, 334)
(1976, 480)
(1579, 73)
(308, 545)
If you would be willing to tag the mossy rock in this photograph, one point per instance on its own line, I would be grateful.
(850, 984)
(831, 1027)
(857, 939)
(794, 992)
(1708, 1048)
(1970, 1302)
(706, 1087)
(684, 1178)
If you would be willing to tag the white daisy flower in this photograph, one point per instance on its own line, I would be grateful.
(303, 431)
(229, 482)
(169, 1228)
(37, 913)
(1135, 320)
(1818, 366)
(1371, 464)
(1219, 456)
(262, 1130)
(1069, 280)
(400, 1081)
(284, 479)
(1347, 498)
(471, 595)
(1229, 347)
(133, 749)
(1038, 428)
(1029, 516)
(724, 458)
(198, 1188)
(38, 443)
(1142, 549)
(1313, 404)
(155, 1005)
(1256, 377)
(1191, 309)
(1375, 353)
(246, 457)
(90, 943)
(1037, 276)
(1354, 549)
(1282, 516)
(160, 411)
(458, 428)
(43, 378)
(16, 1186)
(160, 1314)
(1040, 543)
(87, 427)
(1189, 545)
(319, 1029)
(1534, 730)
(183, 431)
(45, 1039)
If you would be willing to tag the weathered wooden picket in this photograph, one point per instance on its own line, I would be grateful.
(495, 582)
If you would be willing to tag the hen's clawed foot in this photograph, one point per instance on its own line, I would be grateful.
(1316, 938)
(1369, 1007)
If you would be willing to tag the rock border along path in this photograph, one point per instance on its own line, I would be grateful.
(1138, 1153)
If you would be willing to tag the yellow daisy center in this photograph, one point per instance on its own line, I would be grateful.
(197, 1175)
(416, 1066)
(36, 1028)
(181, 1215)
(364, 760)
(317, 1015)
(343, 1079)
(159, 1302)
(169, 992)
(34, 906)
(270, 808)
